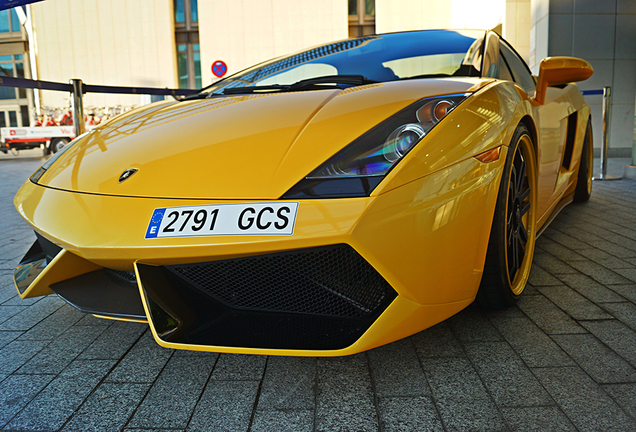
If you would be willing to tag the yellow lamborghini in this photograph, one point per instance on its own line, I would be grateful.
(320, 204)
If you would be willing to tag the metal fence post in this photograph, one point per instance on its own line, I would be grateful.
(607, 96)
(78, 107)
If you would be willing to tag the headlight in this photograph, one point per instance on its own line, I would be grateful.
(35, 177)
(358, 168)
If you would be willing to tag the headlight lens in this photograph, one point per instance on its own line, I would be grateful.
(358, 168)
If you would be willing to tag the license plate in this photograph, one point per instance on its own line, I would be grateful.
(223, 220)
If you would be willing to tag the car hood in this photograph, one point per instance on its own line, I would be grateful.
(233, 147)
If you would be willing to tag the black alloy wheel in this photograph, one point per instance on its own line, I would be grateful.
(518, 206)
(513, 232)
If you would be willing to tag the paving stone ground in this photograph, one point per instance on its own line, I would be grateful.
(563, 359)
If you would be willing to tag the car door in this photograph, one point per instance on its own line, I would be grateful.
(553, 118)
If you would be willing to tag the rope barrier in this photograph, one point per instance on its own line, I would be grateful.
(592, 92)
(88, 88)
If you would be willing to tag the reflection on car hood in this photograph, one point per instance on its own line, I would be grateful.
(234, 147)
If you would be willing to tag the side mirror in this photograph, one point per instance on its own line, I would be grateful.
(560, 70)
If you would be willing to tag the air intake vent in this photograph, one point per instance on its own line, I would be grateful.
(334, 281)
(321, 298)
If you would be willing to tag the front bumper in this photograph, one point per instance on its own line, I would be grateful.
(425, 241)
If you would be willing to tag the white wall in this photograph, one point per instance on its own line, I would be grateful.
(539, 31)
(243, 33)
(400, 15)
(116, 42)
(517, 24)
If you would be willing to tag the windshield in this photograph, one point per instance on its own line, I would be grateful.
(380, 58)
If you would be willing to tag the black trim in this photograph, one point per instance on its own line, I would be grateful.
(49, 248)
(333, 187)
(569, 141)
(31, 265)
(102, 293)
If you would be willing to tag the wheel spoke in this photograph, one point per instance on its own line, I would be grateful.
(511, 260)
(525, 209)
(522, 173)
(525, 194)
(522, 242)
(511, 231)
(523, 233)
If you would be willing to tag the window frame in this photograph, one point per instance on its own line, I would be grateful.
(361, 22)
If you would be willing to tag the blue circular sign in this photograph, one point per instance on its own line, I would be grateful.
(219, 68)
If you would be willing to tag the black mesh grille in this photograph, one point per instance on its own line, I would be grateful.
(333, 281)
(128, 276)
(321, 298)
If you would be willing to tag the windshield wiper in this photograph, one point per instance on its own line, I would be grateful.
(316, 83)
(202, 95)
(253, 89)
(354, 80)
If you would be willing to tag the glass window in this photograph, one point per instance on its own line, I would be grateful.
(3, 121)
(353, 7)
(381, 58)
(518, 67)
(179, 13)
(19, 73)
(7, 93)
(13, 119)
(194, 11)
(187, 38)
(24, 112)
(15, 22)
(182, 66)
(11, 68)
(435, 64)
(6, 69)
(196, 55)
(369, 7)
(299, 73)
(18, 56)
(4, 22)
(504, 72)
(361, 17)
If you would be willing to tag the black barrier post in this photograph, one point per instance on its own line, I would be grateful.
(78, 106)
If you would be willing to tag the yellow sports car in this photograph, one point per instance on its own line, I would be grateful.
(318, 204)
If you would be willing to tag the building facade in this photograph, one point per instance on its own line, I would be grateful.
(173, 43)
(14, 103)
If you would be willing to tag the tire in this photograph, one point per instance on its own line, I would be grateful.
(513, 232)
(57, 144)
(583, 188)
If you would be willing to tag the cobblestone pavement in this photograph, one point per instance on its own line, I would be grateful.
(564, 359)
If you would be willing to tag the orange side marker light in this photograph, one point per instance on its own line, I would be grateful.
(489, 156)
